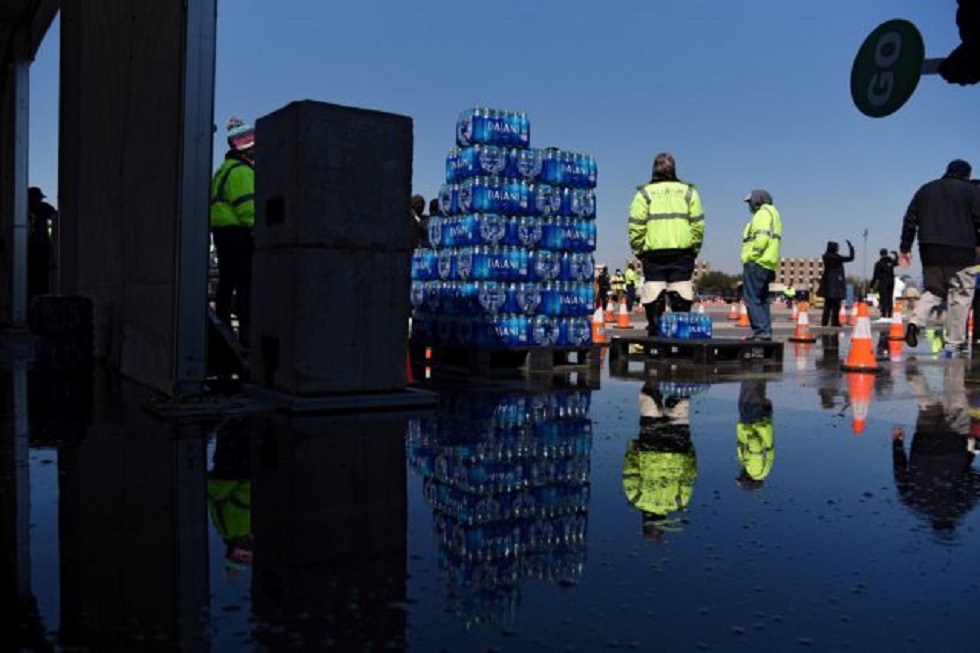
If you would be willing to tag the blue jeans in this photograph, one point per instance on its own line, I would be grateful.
(755, 292)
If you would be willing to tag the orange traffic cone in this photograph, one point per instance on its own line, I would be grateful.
(854, 315)
(428, 362)
(861, 356)
(795, 315)
(610, 311)
(895, 348)
(842, 316)
(802, 333)
(733, 313)
(743, 316)
(859, 389)
(623, 319)
(895, 330)
(598, 328)
(801, 353)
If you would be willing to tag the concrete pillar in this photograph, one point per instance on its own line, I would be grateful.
(14, 137)
(333, 247)
(136, 120)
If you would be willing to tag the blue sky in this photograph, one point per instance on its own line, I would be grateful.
(749, 94)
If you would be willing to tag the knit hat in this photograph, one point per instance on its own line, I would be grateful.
(958, 168)
(241, 135)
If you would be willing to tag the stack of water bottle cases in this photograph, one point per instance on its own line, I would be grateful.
(510, 261)
(507, 478)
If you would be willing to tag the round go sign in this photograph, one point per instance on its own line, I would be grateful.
(887, 68)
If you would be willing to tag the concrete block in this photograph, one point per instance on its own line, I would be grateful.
(333, 176)
(329, 320)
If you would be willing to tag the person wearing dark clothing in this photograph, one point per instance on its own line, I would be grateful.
(41, 220)
(232, 220)
(419, 219)
(936, 478)
(945, 215)
(604, 287)
(833, 285)
(883, 281)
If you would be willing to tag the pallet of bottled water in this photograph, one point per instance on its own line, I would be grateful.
(510, 258)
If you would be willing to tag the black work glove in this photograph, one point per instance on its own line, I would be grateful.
(962, 66)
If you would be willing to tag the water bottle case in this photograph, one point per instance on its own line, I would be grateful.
(511, 261)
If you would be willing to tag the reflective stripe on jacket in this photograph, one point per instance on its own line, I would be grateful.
(666, 215)
(761, 238)
(233, 195)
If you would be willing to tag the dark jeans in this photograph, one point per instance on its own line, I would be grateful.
(831, 312)
(234, 246)
(630, 296)
(885, 300)
(755, 291)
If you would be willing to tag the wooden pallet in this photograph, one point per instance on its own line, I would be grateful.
(485, 363)
(710, 350)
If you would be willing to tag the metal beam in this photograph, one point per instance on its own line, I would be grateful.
(195, 175)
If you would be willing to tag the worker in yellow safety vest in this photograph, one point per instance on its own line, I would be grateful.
(760, 256)
(660, 466)
(754, 432)
(232, 219)
(666, 231)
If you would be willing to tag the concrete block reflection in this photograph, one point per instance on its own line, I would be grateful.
(329, 522)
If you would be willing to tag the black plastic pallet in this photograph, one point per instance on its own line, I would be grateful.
(517, 360)
(711, 350)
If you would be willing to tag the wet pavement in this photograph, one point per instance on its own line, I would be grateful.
(743, 506)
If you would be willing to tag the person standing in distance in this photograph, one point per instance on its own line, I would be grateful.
(232, 220)
(666, 231)
(945, 213)
(833, 283)
(883, 280)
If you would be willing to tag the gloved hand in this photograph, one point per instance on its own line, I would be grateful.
(962, 66)
(849, 244)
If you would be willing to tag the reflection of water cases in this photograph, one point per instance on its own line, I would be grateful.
(516, 537)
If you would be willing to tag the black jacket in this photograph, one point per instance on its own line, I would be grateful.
(883, 277)
(944, 212)
(833, 285)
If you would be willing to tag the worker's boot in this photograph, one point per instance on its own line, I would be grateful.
(678, 304)
(654, 310)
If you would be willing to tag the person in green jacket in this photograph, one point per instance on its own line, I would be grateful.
(660, 466)
(754, 432)
(230, 494)
(666, 231)
(760, 257)
(630, 278)
(232, 220)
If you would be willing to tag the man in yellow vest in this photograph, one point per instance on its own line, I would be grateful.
(232, 219)
(666, 231)
(754, 431)
(660, 466)
(760, 257)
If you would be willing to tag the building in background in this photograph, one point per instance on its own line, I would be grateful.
(801, 273)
